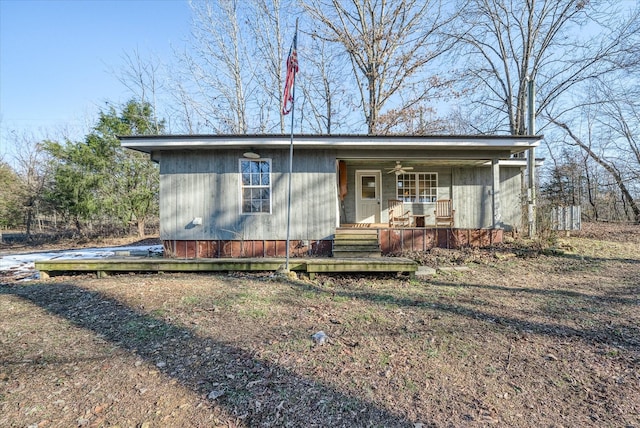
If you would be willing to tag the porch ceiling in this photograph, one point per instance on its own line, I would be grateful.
(416, 163)
(432, 162)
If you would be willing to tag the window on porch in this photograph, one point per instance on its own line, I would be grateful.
(421, 187)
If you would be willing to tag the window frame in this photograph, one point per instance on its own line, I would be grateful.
(415, 180)
(242, 186)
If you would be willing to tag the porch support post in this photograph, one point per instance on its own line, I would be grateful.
(495, 194)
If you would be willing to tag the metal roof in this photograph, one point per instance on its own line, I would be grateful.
(342, 143)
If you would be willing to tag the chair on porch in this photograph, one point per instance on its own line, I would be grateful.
(398, 217)
(444, 213)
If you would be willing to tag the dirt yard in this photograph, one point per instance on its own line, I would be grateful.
(526, 337)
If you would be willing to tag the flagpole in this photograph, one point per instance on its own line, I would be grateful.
(293, 101)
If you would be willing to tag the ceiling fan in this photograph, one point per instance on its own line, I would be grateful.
(399, 169)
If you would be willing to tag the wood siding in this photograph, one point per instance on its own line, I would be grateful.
(206, 184)
(472, 198)
(511, 198)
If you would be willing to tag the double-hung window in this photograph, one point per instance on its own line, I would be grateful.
(421, 187)
(255, 185)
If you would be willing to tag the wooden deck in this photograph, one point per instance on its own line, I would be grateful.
(312, 266)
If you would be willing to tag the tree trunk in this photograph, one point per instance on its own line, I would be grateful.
(592, 199)
(28, 222)
(140, 224)
(79, 226)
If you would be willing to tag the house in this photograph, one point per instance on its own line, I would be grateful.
(228, 195)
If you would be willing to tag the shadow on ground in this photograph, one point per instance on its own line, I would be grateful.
(285, 398)
(619, 334)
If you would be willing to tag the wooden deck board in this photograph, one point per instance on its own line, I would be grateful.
(362, 265)
(144, 264)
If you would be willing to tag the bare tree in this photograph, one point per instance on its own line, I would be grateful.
(564, 186)
(600, 156)
(220, 69)
(326, 102)
(619, 121)
(183, 110)
(390, 44)
(266, 28)
(559, 43)
(601, 117)
(142, 78)
(10, 197)
(31, 162)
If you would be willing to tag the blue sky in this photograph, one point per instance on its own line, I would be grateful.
(58, 58)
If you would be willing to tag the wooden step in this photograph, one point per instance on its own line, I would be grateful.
(356, 254)
(355, 237)
(349, 231)
(356, 243)
(372, 247)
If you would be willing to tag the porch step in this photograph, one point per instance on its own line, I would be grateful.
(356, 243)
(355, 247)
(356, 254)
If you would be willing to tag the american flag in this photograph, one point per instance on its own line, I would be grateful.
(292, 70)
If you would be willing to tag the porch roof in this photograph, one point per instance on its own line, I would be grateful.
(347, 146)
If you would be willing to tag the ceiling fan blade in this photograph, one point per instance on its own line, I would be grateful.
(399, 169)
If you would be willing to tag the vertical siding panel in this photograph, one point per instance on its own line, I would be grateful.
(388, 189)
(279, 195)
(510, 198)
(166, 196)
(472, 197)
(302, 197)
(186, 197)
(172, 202)
(445, 183)
(313, 204)
(208, 183)
(225, 220)
(309, 188)
(232, 222)
(472, 200)
(199, 193)
(179, 181)
(350, 198)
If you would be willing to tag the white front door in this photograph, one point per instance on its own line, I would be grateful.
(368, 196)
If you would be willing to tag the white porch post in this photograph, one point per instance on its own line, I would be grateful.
(495, 194)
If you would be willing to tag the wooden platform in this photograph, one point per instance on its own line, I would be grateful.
(311, 266)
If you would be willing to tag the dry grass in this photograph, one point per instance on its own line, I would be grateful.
(522, 339)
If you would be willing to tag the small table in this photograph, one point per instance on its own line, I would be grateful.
(419, 220)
